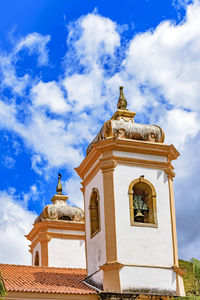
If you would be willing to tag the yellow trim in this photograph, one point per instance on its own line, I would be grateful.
(179, 271)
(126, 145)
(180, 291)
(65, 236)
(111, 278)
(118, 265)
(51, 224)
(91, 158)
(111, 281)
(166, 166)
(83, 191)
(111, 266)
(44, 252)
(173, 221)
(91, 174)
(123, 113)
(59, 197)
(141, 179)
(109, 211)
(134, 146)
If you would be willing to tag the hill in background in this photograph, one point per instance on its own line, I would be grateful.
(191, 281)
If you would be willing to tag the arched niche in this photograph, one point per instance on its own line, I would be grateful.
(142, 203)
(37, 259)
(94, 209)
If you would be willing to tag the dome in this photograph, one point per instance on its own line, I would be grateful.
(60, 210)
(122, 125)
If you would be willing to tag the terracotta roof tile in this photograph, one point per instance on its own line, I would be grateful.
(19, 278)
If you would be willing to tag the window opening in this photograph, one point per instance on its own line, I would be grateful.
(37, 259)
(142, 200)
(94, 212)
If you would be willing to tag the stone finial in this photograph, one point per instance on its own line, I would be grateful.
(122, 103)
(59, 185)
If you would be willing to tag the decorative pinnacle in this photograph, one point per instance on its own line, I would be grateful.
(122, 103)
(59, 185)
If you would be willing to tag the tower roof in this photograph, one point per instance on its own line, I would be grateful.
(122, 125)
(60, 210)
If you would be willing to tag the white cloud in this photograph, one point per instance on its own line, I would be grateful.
(43, 135)
(71, 187)
(36, 162)
(50, 95)
(186, 186)
(9, 78)
(31, 194)
(35, 43)
(167, 58)
(14, 224)
(93, 36)
(179, 125)
(88, 92)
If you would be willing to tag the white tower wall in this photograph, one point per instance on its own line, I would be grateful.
(96, 254)
(143, 245)
(67, 253)
(148, 250)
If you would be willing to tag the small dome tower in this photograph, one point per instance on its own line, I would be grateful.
(58, 236)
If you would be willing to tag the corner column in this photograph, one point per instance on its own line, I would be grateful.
(44, 240)
(180, 291)
(111, 279)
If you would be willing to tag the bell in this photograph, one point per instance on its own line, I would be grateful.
(139, 217)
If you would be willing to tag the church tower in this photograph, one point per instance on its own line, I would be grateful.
(131, 240)
(58, 236)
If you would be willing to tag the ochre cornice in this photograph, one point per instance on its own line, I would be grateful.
(135, 146)
(111, 266)
(179, 270)
(89, 161)
(59, 225)
(132, 146)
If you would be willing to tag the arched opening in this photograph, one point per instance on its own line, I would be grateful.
(142, 200)
(94, 212)
(37, 259)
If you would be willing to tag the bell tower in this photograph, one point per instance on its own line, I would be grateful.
(58, 234)
(131, 241)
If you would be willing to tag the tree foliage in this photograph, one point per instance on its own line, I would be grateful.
(2, 287)
(192, 277)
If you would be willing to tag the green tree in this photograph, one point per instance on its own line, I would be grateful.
(196, 271)
(2, 287)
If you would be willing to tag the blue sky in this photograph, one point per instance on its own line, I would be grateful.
(61, 63)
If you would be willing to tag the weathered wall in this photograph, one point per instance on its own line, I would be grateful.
(96, 255)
